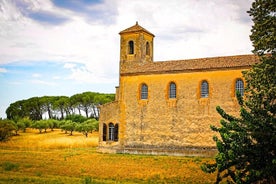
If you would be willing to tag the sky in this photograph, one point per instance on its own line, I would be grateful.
(65, 47)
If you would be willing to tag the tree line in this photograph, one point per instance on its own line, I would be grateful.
(70, 124)
(58, 107)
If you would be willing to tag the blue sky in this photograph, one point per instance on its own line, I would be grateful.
(64, 47)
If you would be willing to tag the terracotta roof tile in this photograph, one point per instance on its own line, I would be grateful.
(191, 65)
(135, 28)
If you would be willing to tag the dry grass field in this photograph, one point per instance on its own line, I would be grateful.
(55, 158)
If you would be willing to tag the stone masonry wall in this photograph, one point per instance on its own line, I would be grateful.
(109, 113)
(160, 122)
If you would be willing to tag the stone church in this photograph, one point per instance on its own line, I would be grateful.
(167, 107)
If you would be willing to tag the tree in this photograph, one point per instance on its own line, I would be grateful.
(263, 37)
(19, 126)
(24, 123)
(87, 126)
(76, 102)
(87, 102)
(58, 107)
(47, 105)
(246, 147)
(6, 129)
(40, 125)
(53, 123)
(76, 118)
(69, 126)
(35, 108)
(17, 110)
(61, 104)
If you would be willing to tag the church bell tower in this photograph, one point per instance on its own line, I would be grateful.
(136, 46)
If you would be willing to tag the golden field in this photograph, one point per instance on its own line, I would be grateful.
(55, 157)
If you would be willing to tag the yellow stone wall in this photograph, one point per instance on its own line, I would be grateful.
(184, 121)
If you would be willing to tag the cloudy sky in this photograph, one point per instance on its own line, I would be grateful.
(64, 47)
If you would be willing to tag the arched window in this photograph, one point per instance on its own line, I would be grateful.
(240, 86)
(131, 47)
(147, 48)
(144, 91)
(204, 89)
(172, 90)
(116, 133)
(104, 132)
(111, 132)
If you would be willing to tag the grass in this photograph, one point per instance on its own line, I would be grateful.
(55, 157)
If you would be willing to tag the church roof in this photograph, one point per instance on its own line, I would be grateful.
(135, 28)
(192, 65)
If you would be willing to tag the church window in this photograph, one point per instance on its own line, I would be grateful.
(104, 132)
(144, 92)
(172, 90)
(111, 132)
(147, 48)
(131, 47)
(240, 86)
(116, 132)
(204, 89)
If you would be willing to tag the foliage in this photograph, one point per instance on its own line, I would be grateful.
(58, 107)
(69, 126)
(263, 37)
(18, 126)
(41, 125)
(62, 105)
(6, 129)
(94, 122)
(88, 126)
(76, 118)
(24, 123)
(53, 123)
(246, 147)
(21, 124)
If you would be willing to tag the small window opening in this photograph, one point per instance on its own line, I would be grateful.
(144, 91)
(147, 48)
(172, 91)
(240, 87)
(131, 47)
(111, 132)
(204, 89)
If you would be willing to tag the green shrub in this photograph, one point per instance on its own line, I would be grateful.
(6, 129)
(87, 180)
(9, 166)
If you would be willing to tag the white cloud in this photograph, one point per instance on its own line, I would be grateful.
(56, 77)
(36, 75)
(83, 74)
(183, 29)
(3, 70)
(69, 65)
(43, 82)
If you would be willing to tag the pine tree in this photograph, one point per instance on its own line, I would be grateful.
(246, 146)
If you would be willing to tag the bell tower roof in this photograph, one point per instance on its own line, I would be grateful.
(135, 28)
